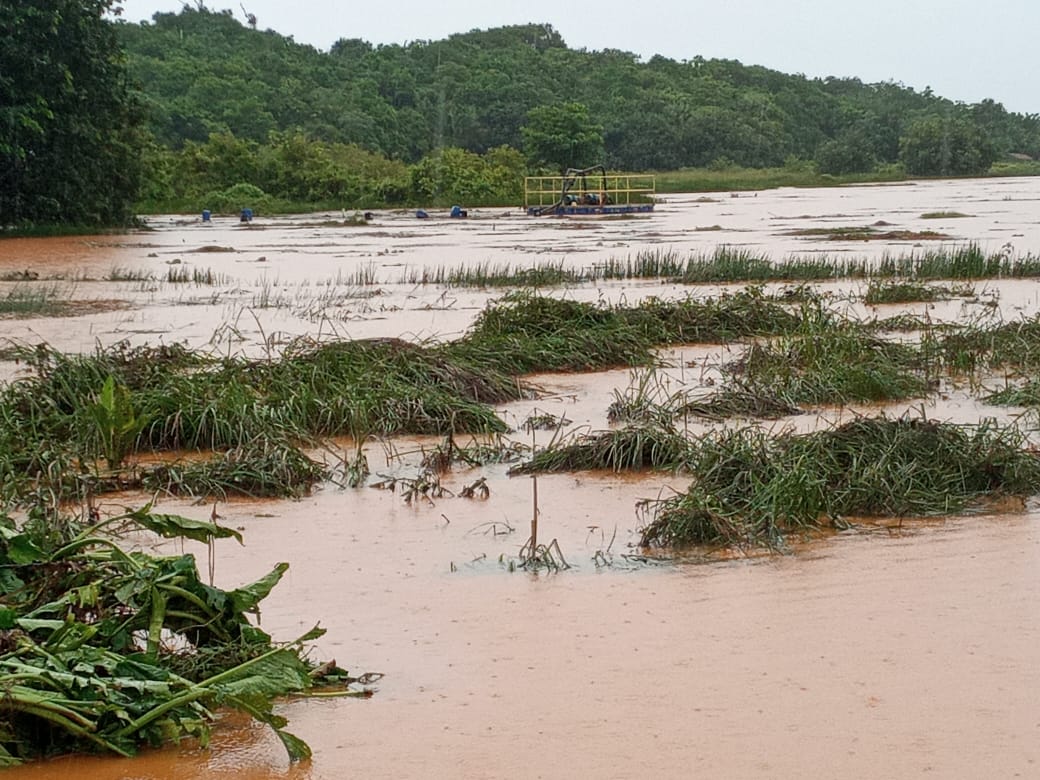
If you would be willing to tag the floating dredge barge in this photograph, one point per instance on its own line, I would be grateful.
(589, 191)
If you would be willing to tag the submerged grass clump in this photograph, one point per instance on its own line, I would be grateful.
(753, 488)
(180, 400)
(829, 361)
(648, 400)
(51, 429)
(944, 215)
(739, 401)
(879, 292)
(33, 301)
(728, 317)
(177, 399)
(1027, 394)
(525, 332)
(900, 323)
(1010, 345)
(260, 468)
(636, 447)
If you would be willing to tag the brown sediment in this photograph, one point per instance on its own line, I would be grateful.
(889, 650)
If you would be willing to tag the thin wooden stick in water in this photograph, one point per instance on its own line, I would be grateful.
(534, 500)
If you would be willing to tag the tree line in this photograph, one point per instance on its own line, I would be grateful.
(200, 104)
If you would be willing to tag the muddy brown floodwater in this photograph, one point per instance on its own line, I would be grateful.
(877, 652)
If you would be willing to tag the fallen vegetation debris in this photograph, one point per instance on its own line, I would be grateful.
(107, 651)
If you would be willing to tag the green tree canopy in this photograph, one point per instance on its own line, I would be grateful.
(850, 152)
(562, 136)
(941, 146)
(457, 176)
(206, 72)
(69, 140)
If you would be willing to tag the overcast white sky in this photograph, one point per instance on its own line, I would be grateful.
(965, 50)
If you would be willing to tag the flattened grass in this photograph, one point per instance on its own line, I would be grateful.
(637, 447)
(902, 291)
(751, 488)
(739, 401)
(797, 356)
(1027, 394)
(831, 361)
(191, 402)
(1010, 345)
(526, 332)
(259, 468)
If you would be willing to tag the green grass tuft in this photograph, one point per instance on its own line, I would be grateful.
(751, 488)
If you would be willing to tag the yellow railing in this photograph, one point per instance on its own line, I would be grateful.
(619, 188)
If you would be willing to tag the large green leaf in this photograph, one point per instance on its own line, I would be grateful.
(175, 526)
(19, 547)
(246, 599)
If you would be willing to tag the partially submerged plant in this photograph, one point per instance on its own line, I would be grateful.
(34, 301)
(903, 291)
(983, 345)
(752, 488)
(646, 401)
(543, 421)
(424, 485)
(525, 333)
(636, 447)
(258, 468)
(830, 361)
(356, 469)
(117, 424)
(739, 400)
(542, 556)
(107, 651)
(476, 489)
(732, 264)
(1027, 394)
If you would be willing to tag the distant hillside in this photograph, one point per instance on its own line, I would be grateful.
(204, 72)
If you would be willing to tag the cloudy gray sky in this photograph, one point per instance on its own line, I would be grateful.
(965, 50)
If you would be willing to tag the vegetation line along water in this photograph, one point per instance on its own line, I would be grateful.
(369, 126)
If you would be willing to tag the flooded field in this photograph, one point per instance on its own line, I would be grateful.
(886, 650)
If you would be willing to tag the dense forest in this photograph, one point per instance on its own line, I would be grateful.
(204, 72)
(70, 121)
(224, 113)
(230, 104)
